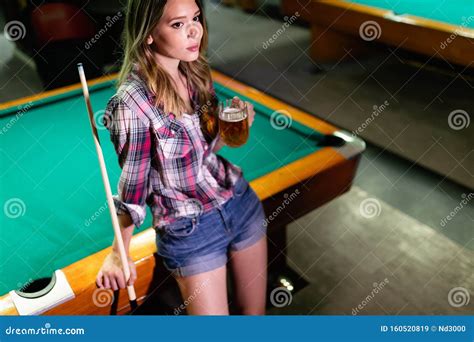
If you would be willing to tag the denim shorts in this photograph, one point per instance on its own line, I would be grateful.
(193, 245)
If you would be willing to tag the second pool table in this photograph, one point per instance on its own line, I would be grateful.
(56, 229)
(340, 28)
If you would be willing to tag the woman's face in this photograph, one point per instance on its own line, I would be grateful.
(178, 31)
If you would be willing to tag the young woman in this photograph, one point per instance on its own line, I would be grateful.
(164, 131)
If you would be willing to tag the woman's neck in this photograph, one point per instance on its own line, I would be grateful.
(169, 64)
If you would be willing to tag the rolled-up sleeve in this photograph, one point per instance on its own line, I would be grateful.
(132, 143)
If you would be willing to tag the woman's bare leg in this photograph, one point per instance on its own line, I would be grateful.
(249, 267)
(205, 293)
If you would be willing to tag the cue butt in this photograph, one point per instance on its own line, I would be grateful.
(105, 180)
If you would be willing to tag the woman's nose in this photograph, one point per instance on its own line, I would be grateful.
(194, 31)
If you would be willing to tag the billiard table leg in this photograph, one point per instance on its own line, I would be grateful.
(283, 281)
(276, 239)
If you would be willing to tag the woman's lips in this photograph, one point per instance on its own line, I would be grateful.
(193, 48)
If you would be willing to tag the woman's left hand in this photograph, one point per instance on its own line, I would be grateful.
(236, 101)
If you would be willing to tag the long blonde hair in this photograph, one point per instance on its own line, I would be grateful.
(140, 19)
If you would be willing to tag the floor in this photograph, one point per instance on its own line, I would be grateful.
(382, 248)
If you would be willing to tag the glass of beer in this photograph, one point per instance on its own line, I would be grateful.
(233, 124)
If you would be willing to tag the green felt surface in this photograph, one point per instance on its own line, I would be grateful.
(457, 12)
(55, 210)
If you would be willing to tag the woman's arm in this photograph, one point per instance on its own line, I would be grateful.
(126, 228)
(132, 143)
(111, 274)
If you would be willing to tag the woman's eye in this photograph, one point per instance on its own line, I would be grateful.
(180, 24)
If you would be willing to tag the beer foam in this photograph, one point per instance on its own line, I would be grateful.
(232, 114)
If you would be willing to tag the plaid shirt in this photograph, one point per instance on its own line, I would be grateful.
(166, 163)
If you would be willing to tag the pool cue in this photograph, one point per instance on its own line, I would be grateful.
(105, 178)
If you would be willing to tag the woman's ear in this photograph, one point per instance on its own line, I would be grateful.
(149, 40)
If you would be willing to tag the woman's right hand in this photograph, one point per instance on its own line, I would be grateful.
(111, 274)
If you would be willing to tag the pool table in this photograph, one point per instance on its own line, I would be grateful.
(440, 29)
(56, 229)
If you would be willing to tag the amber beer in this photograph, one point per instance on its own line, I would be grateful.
(233, 125)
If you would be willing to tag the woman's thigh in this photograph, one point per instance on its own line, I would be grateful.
(205, 293)
(249, 268)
